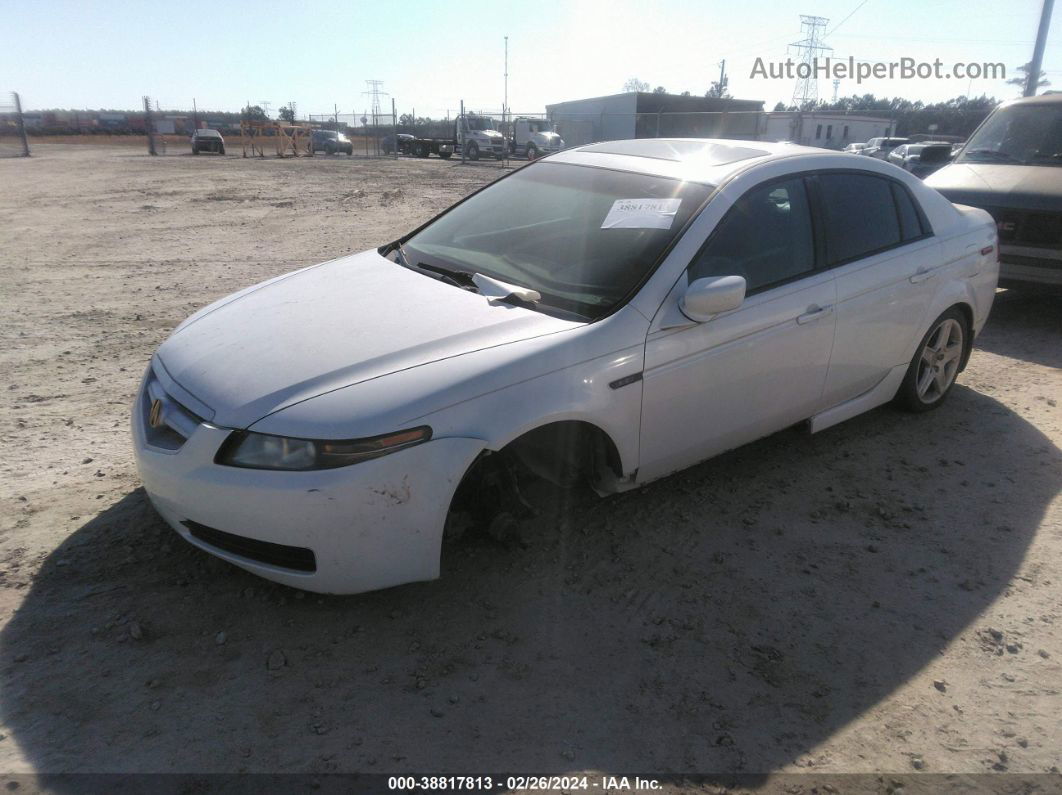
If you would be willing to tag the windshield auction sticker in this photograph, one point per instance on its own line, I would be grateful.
(641, 214)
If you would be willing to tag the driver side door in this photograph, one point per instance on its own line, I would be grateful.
(712, 386)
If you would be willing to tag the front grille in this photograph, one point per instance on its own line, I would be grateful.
(1023, 228)
(280, 555)
(178, 423)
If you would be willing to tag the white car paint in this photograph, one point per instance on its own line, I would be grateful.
(360, 347)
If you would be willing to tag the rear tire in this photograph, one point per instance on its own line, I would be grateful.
(936, 363)
(445, 155)
(221, 150)
(195, 151)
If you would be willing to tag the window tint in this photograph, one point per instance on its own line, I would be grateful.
(765, 237)
(910, 224)
(860, 216)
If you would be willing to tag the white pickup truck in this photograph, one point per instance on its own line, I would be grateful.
(534, 138)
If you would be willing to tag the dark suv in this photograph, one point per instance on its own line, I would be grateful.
(1012, 167)
(207, 141)
(331, 142)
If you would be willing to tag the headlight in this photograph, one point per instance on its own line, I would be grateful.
(264, 451)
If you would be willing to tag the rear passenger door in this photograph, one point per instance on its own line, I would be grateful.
(883, 254)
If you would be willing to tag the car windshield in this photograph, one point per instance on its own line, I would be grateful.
(479, 123)
(539, 126)
(1023, 134)
(583, 237)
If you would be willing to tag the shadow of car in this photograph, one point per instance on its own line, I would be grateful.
(683, 626)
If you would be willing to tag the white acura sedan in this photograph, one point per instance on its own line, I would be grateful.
(609, 314)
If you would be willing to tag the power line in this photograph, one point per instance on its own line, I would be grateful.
(848, 17)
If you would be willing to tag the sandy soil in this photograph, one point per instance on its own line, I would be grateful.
(881, 597)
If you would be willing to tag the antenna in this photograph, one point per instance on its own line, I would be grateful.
(808, 49)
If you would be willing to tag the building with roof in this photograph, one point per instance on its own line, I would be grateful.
(640, 114)
(826, 129)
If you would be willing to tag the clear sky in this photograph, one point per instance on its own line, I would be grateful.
(430, 55)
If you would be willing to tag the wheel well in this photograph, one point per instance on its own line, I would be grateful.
(967, 312)
(564, 453)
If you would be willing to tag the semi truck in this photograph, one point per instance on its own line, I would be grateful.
(534, 137)
(473, 135)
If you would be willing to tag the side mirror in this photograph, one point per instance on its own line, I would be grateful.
(707, 297)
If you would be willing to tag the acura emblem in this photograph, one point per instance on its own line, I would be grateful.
(155, 415)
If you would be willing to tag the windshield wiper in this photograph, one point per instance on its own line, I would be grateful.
(990, 153)
(462, 279)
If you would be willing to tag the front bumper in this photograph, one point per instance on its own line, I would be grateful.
(369, 526)
(1023, 265)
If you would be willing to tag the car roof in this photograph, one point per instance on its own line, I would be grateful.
(1050, 98)
(208, 132)
(706, 160)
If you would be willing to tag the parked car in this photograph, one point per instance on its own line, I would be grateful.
(331, 142)
(1012, 167)
(207, 141)
(880, 147)
(607, 315)
(921, 159)
(405, 143)
(854, 149)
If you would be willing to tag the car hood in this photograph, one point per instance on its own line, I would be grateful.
(487, 133)
(328, 327)
(997, 185)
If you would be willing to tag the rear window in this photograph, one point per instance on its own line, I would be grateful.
(935, 154)
(860, 216)
(910, 223)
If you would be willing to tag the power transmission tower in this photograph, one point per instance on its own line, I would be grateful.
(374, 94)
(808, 49)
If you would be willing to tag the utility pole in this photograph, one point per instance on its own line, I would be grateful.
(21, 125)
(1033, 77)
(394, 125)
(505, 101)
(149, 126)
(195, 115)
(836, 85)
(722, 77)
(808, 48)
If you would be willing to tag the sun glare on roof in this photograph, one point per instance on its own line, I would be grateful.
(705, 152)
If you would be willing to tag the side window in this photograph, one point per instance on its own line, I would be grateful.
(860, 216)
(910, 223)
(765, 237)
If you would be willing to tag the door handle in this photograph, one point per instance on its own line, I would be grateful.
(921, 275)
(814, 313)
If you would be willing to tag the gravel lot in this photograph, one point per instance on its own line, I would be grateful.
(885, 596)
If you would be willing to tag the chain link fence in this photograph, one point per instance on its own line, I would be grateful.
(483, 137)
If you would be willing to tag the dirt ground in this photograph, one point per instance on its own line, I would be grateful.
(883, 597)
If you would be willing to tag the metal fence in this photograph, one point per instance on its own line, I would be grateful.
(13, 141)
(387, 133)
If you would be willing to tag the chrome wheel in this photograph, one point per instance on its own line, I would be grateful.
(939, 363)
